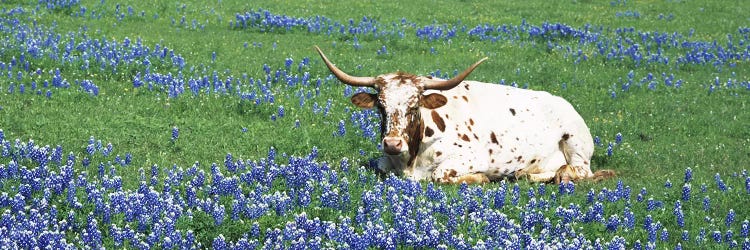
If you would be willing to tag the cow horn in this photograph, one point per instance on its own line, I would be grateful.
(344, 77)
(449, 84)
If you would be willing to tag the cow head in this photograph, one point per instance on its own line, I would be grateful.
(399, 97)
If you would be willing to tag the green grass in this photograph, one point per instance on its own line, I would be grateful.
(665, 130)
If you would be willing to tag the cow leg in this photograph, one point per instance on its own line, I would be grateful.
(542, 177)
(455, 171)
(476, 178)
(545, 170)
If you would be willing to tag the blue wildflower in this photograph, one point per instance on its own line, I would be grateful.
(688, 174)
(664, 235)
(613, 223)
(720, 183)
(686, 192)
(729, 218)
(618, 138)
(706, 203)
(175, 133)
(716, 235)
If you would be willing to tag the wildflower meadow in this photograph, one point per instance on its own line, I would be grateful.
(215, 125)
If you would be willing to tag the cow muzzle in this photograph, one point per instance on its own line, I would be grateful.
(393, 145)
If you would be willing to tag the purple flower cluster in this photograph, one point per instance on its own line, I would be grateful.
(389, 213)
(265, 21)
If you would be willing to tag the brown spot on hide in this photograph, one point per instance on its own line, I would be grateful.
(566, 136)
(433, 101)
(465, 138)
(438, 153)
(476, 137)
(586, 162)
(493, 160)
(466, 86)
(428, 131)
(414, 131)
(493, 138)
(471, 121)
(513, 111)
(509, 162)
(490, 151)
(518, 158)
(471, 167)
(465, 99)
(364, 100)
(532, 161)
(455, 97)
(452, 173)
(438, 121)
(446, 117)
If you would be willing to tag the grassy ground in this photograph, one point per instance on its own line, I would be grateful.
(671, 114)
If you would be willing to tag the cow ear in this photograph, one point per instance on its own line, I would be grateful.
(433, 101)
(364, 100)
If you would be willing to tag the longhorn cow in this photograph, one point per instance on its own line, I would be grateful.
(455, 130)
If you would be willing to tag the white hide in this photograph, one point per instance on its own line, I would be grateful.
(528, 125)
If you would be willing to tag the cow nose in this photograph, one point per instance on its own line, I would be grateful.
(392, 146)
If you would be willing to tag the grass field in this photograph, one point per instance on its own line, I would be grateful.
(193, 124)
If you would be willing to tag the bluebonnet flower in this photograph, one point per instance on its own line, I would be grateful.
(716, 235)
(647, 221)
(685, 236)
(609, 149)
(219, 243)
(688, 174)
(701, 236)
(706, 203)
(613, 223)
(618, 138)
(668, 184)
(745, 229)
(664, 234)
(175, 133)
(680, 216)
(342, 129)
(730, 218)
(728, 236)
(747, 185)
(382, 51)
(641, 195)
(651, 232)
(720, 183)
(515, 194)
(686, 192)
(542, 189)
